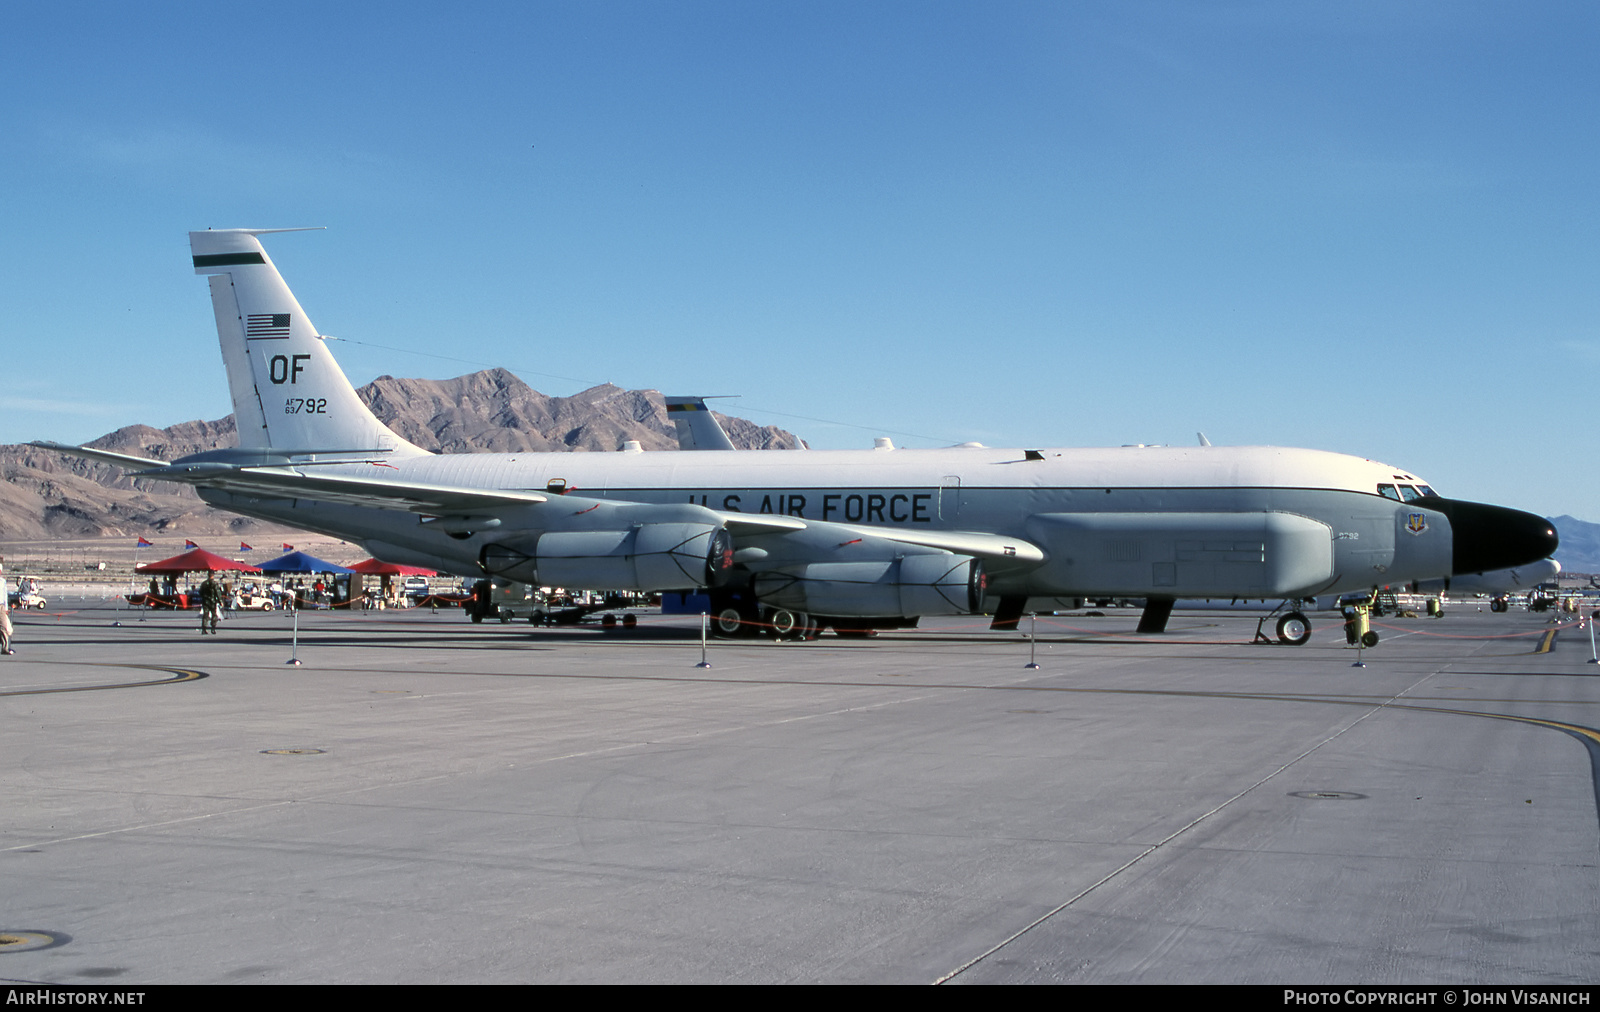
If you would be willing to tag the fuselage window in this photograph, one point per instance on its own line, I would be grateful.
(1389, 492)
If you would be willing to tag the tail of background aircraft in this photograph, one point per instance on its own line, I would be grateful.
(288, 392)
(697, 427)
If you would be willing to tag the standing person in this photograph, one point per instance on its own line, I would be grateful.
(210, 603)
(5, 612)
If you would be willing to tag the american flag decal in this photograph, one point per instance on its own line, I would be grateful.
(266, 325)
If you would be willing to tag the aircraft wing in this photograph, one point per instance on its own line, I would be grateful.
(761, 523)
(998, 547)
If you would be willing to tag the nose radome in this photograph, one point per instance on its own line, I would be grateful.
(1485, 537)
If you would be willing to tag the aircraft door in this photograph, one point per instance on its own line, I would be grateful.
(949, 504)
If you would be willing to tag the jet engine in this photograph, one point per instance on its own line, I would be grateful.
(932, 584)
(644, 557)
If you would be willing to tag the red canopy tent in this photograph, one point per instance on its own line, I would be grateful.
(372, 567)
(196, 561)
(385, 571)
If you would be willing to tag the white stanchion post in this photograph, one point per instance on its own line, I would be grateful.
(294, 649)
(705, 624)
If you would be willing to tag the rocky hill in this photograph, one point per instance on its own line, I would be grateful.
(1580, 545)
(45, 495)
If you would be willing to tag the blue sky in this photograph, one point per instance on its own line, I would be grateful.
(1364, 227)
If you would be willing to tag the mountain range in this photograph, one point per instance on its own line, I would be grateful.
(45, 495)
(1580, 545)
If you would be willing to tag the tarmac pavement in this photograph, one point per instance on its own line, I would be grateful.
(423, 800)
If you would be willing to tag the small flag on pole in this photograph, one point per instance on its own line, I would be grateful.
(245, 548)
(189, 544)
(145, 543)
(288, 548)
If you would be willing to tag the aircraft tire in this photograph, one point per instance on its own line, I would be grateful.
(788, 625)
(1294, 629)
(783, 623)
(728, 623)
(1369, 639)
(809, 629)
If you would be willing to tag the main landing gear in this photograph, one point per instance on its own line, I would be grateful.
(785, 624)
(737, 615)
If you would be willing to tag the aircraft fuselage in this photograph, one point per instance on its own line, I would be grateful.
(1167, 521)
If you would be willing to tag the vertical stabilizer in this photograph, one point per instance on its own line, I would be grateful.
(288, 392)
(697, 426)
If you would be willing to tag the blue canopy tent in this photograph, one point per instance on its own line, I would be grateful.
(300, 562)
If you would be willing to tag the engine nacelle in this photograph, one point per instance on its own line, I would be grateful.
(644, 557)
(934, 584)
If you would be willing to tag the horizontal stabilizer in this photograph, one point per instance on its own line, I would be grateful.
(350, 490)
(103, 456)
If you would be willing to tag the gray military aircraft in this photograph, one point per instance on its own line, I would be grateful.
(1498, 585)
(855, 539)
(1518, 579)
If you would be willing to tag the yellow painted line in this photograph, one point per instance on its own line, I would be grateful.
(1546, 642)
(179, 675)
(1560, 725)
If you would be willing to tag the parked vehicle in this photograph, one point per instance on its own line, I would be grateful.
(415, 587)
(27, 594)
(249, 599)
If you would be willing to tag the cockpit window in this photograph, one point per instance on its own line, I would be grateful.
(1409, 494)
(1427, 491)
(1389, 492)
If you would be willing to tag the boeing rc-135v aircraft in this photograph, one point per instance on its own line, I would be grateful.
(855, 539)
